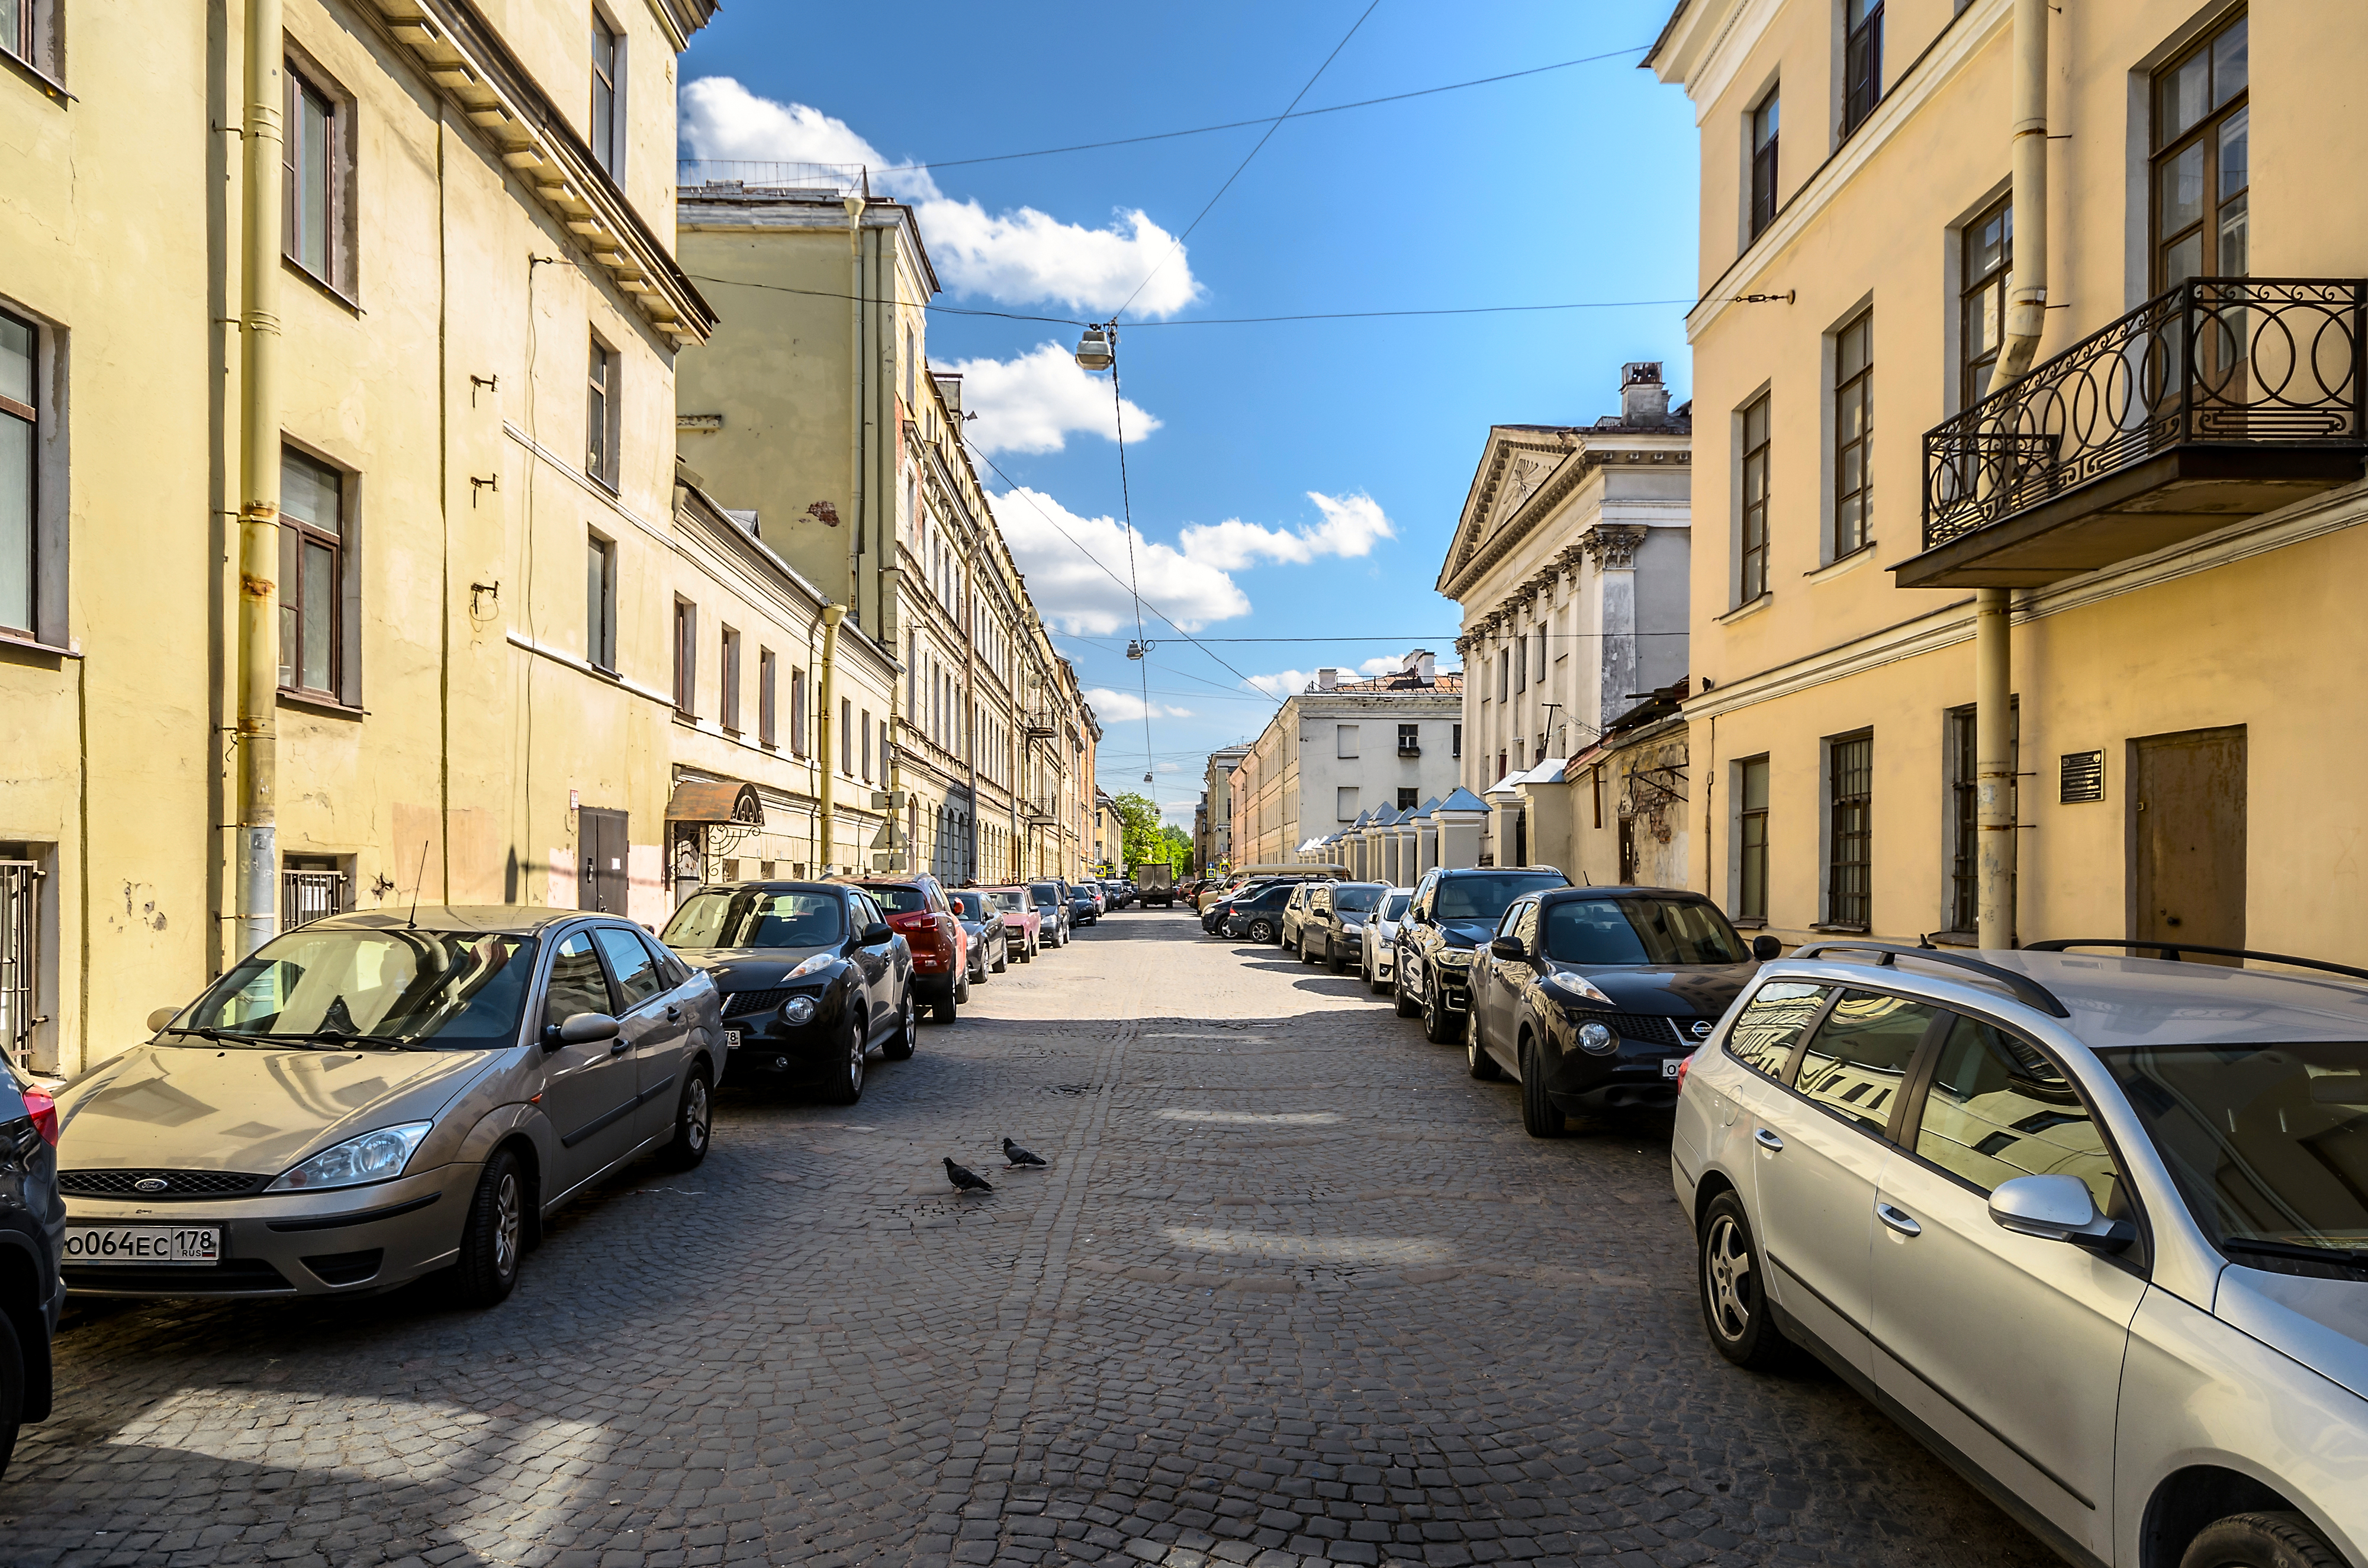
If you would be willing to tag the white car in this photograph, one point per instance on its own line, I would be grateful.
(2093, 1228)
(1381, 937)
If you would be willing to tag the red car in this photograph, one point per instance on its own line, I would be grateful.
(1021, 918)
(920, 911)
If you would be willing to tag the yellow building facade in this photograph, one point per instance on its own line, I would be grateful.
(1903, 207)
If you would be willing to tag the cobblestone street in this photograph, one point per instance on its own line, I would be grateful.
(1293, 1287)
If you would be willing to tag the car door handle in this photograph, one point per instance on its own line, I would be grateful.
(1898, 1219)
(1768, 1140)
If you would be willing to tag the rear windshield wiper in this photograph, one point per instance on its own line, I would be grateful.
(2298, 1252)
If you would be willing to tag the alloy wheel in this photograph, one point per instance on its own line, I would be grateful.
(855, 1033)
(1728, 1260)
(508, 1224)
(695, 1115)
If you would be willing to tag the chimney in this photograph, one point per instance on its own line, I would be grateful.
(1643, 399)
(1424, 665)
(950, 388)
(1327, 678)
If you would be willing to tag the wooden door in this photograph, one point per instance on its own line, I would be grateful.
(600, 838)
(2186, 837)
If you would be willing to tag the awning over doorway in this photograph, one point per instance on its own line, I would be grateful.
(716, 801)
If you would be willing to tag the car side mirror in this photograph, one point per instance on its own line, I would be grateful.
(161, 1016)
(581, 1028)
(2057, 1209)
(1509, 947)
(1766, 947)
(877, 933)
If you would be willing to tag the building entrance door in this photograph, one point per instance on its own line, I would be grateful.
(2186, 837)
(600, 838)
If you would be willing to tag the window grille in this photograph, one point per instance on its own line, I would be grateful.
(307, 894)
(1850, 845)
(20, 929)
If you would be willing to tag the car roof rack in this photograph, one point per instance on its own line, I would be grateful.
(2022, 986)
(2172, 952)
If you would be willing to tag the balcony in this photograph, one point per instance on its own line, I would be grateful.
(1039, 722)
(2219, 399)
(1410, 748)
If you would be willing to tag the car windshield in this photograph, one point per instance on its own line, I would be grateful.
(402, 986)
(1394, 906)
(1640, 930)
(1357, 897)
(752, 917)
(899, 898)
(1009, 898)
(1045, 893)
(2267, 1143)
(1486, 898)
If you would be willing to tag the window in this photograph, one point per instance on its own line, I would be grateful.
(1504, 762)
(912, 363)
(1409, 797)
(768, 678)
(1409, 740)
(600, 416)
(727, 705)
(1456, 748)
(608, 99)
(600, 603)
(630, 962)
(866, 753)
(1752, 838)
(1859, 1058)
(798, 712)
(28, 31)
(577, 984)
(1849, 844)
(1981, 299)
(20, 423)
(1772, 1024)
(1997, 1110)
(1965, 813)
(1754, 581)
(686, 657)
(316, 195)
(1347, 737)
(312, 887)
(1853, 431)
(1504, 676)
(1763, 164)
(312, 574)
(847, 737)
(2201, 169)
(1862, 60)
(1344, 807)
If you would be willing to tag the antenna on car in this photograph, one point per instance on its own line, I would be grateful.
(411, 922)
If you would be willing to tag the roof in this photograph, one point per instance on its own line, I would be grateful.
(1462, 800)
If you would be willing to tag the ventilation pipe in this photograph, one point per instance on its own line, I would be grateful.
(256, 893)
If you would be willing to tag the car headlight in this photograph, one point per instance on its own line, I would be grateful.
(1352, 924)
(1596, 1038)
(814, 965)
(1454, 957)
(1576, 985)
(373, 1157)
(797, 1010)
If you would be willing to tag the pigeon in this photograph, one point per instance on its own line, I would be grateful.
(1016, 1155)
(967, 1180)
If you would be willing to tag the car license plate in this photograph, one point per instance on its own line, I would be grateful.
(144, 1244)
(1670, 1065)
(731, 1040)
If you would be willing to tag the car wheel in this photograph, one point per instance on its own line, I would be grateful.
(962, 991)
(1541, 1118)
(847, 1086)
(2260, 1540)
(1438, 1023)
(1333, 959)
(694, 1123)
(944, 1012)
(908, 1032)
(1733, 1305)
(493, 1233)
(1475, 1051)
(12, 1390)
(1003, 956)
(1304, 955)
(1408, 1005)
(1261, 932)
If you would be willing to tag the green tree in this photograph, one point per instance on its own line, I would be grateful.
(1146, 840)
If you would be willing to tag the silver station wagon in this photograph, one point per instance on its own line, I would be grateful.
(2093, 1227)
(374, 1098)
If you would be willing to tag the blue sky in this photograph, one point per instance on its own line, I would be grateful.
(1303, 479)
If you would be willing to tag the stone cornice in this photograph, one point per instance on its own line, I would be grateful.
(1471, 557)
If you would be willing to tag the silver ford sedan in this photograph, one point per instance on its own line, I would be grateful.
(376, 1097)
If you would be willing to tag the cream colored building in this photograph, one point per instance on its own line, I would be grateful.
(1213, 826)
(1899, 213)
(1343, 750)
(815, 404)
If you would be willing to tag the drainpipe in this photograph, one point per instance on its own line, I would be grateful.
(2026, 320)
(258, 518)
(854, 205)
(825, 735)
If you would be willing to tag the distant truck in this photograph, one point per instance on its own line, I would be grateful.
(1158, 885)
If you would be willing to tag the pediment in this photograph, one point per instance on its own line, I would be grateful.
(1516, 464)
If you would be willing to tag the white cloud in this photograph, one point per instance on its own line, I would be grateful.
(1284, 683)
(1076, 596)
(1032, 403)
(1022, 256)
(1352, 525)
(1111, 705)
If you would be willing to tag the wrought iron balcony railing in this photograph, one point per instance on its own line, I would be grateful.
(2254, 385)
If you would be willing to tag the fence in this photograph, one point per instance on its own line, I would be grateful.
(20, 932)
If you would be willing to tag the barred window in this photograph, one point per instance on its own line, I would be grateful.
(1849, 849)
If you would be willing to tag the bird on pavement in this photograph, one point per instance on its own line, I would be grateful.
(967, 1180)
(1016, 1155)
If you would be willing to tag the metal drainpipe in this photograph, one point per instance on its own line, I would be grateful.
(2026, 321)
(854, 205)
(256, 892)
(826, 733)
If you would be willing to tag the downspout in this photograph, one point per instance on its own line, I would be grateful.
(825, 733)
(2026, 321)
(259, 519)
(854, 205)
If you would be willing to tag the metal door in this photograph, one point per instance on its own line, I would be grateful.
(600, 839)
(2186, 837)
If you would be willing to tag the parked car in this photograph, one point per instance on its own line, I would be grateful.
(920, 911)
(1453, 913)
(1590, 997)
(1052, 909)
(987, 940)
(811, 981)
(2089, 1227)
(373, 1097)
(32, 1240)
(1023, 923)
(1259, 915)
(1085, 909)
(1380, 940)
(1333, 924)
(1212, 918)
(1295, 912)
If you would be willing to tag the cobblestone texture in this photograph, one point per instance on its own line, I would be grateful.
(1293, 1291)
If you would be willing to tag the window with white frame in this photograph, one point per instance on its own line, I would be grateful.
(1853, 432)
